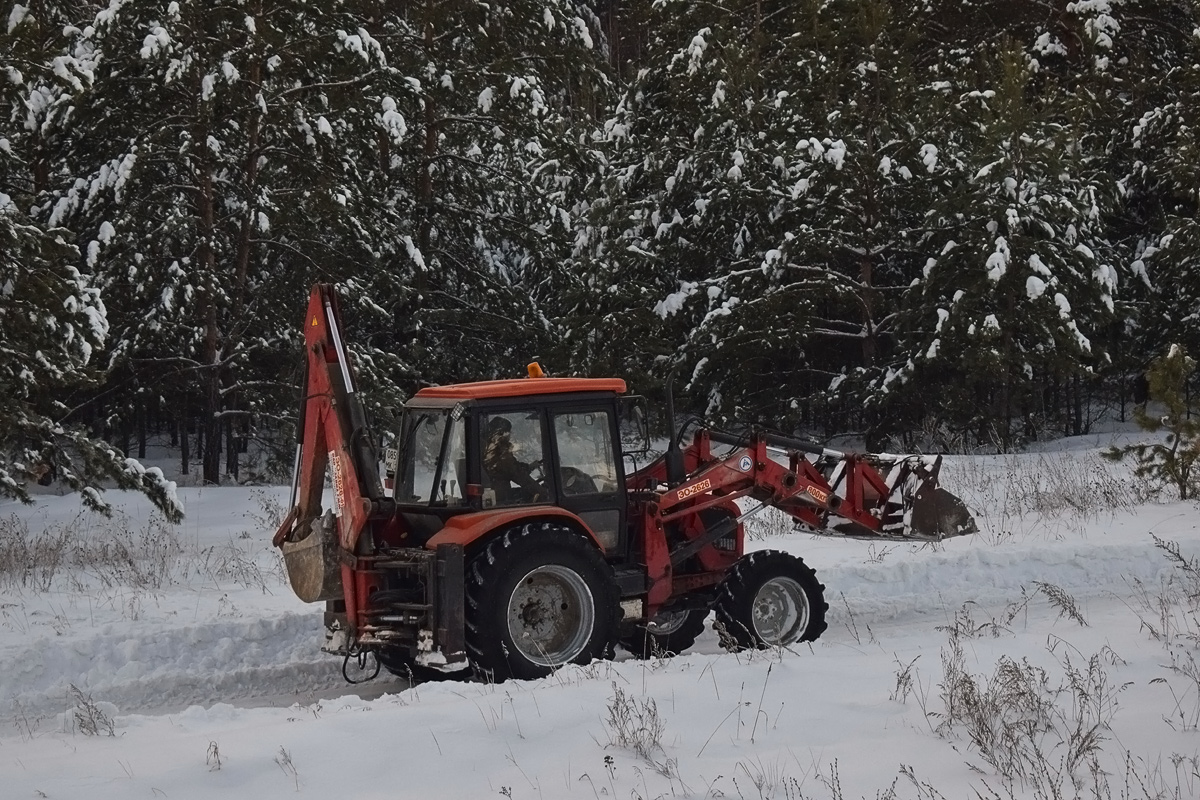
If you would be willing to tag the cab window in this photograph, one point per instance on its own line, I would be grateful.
(585, 453)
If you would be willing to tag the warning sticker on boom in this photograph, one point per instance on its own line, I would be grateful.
(339, 483)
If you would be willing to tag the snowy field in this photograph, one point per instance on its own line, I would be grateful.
(1052, 655)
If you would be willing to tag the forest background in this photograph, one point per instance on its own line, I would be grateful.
(922, 223)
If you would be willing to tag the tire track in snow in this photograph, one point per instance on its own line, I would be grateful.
(161, 667)
(250, 660)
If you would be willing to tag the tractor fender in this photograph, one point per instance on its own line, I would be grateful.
(467, 529)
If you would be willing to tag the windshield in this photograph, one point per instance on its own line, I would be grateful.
(433, 457)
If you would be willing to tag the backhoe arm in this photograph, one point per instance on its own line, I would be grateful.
(332, 432)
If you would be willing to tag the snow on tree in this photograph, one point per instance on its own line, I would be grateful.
(52, 321)
(220, 153)
(764, 170)
(1019, 280)
(500, 99)
(1163, 189)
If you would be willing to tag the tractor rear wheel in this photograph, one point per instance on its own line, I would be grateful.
(539, 596)
(771, 598)
(668, 634)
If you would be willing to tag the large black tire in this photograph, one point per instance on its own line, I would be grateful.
(670, 634)
(539, 595)
(771, 598)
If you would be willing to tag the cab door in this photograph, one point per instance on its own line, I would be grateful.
(589, 473)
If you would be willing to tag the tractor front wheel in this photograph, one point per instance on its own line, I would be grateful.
(771, 598)
(539, 596)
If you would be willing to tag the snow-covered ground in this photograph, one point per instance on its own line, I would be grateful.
(1053, 652)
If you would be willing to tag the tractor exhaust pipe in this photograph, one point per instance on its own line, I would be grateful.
(676, 474)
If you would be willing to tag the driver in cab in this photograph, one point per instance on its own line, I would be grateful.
(504, 468)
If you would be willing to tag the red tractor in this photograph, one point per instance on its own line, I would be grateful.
(511, 529)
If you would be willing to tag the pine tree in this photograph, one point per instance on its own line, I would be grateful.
(1174, 460)
(222, 160)
(764, 174)
(52, 322)
(1019, 280)
(1164, 187)
(486, 180)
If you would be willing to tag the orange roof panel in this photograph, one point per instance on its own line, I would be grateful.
(521, 387)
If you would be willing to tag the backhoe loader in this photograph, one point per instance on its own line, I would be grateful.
(514, 526)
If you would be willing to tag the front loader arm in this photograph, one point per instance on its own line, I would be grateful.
(838, 494)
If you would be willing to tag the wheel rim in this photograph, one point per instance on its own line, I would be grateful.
(551, 615)
(780, 611)
(667, 622)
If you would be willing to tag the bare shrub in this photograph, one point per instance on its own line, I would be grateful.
(1083, 485)
(1170, 614)
(965, 626)
(119, 557)
(31, 560)
(1186, 714)
(270, 512)
(1045, 494)
(771, 523)
(26, 723)
(213, 757)
(108, 553)
(767, 778)
(231, 562)
(90, 719)
(1188, 569)
(114, 554)
(904, 680)
(284, 760)
(1063, 602)
(634, 723)
(1026, 725)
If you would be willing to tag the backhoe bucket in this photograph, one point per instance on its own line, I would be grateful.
(937, 514)
(312, 563)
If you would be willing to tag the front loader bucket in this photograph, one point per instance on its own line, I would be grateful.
(937, 514)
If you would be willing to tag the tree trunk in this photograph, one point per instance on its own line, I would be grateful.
(426, 177)
(1077, 405)
(866, 274)
(141, 430)
(253, 129)
(211, 376)
(231, 448)
(185, 453)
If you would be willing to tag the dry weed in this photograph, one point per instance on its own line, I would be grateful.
(634, 724)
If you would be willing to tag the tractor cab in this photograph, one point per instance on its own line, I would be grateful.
(513, 444)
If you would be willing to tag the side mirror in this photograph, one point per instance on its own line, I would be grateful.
(634, 424)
